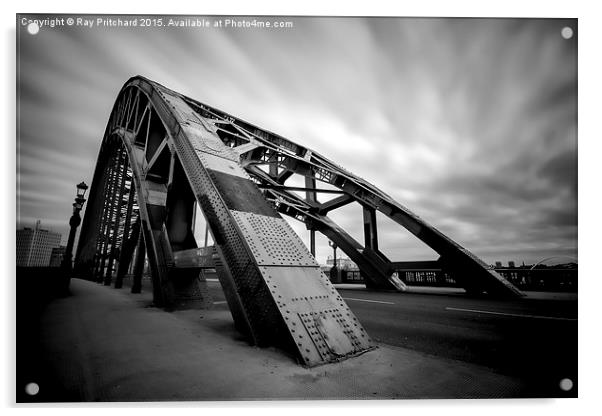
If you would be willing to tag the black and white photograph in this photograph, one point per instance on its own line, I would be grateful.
(228, 207)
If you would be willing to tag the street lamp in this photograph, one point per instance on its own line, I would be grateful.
(334, 270)
(334, 248)
(74, 222)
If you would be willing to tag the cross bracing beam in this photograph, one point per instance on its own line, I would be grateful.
(299, 188)
(115, 227)
(128, 242)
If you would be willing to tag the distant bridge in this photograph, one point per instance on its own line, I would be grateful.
(163, 154)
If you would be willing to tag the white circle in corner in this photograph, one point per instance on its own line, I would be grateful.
(33, 28)
(566, 384)
(32, 389)
(566, 32)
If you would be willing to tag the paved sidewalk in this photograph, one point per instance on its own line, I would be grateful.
(104, 344)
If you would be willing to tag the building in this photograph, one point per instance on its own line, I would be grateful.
(342, 263)
(511, 264)
(498, 264)
(34, 246)
(56, 256)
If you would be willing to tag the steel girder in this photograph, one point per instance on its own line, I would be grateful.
(158, 143)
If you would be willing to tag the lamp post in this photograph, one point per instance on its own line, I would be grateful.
(334, 270)
(334, 248)
(74, 222)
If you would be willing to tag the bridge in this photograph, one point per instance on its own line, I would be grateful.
(164, 154)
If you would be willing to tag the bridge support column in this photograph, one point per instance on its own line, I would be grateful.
(273, 166)
(139, 265)
(206, 298)
(370, 229)
(189, 288)
(127, 252)
(312, 242)
(370, 242)
(312, 198)
(373, 267)
(183, 290)
(107, 178)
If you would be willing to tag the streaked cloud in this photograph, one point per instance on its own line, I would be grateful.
(470, 123)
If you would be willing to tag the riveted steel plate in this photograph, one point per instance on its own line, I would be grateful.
(208, 142)
(196, 257)
(320, 322)
(330, 333)
(272, 241)
(201, 134)
(223, 165)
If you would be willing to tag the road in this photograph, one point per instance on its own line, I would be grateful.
(432, 345)
(534, 339)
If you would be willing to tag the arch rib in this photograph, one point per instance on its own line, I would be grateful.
(274, 287)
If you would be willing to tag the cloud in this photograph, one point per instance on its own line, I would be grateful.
(470, 123)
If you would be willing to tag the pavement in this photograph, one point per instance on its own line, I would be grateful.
(105, 344)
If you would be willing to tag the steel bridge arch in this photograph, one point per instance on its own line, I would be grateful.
(163, 152)
(550, 258)
(275, 297)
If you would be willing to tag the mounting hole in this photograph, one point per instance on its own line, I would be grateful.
(32, 389)
(566, 33)
(566, 384)
(33, 28)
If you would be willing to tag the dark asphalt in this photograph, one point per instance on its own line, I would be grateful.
(512, 337)
(533, 339)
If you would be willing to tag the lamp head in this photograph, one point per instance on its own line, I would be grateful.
(81, 189)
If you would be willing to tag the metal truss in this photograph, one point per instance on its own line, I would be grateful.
(163, 154)
(271, 160)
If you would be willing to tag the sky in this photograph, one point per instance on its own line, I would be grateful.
(469, 123)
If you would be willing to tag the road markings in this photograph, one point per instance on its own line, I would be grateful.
(219, 302)
(371, 301)
(516, 315)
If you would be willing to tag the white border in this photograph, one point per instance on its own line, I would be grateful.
(590, 93)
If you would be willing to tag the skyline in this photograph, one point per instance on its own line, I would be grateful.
(474, 120)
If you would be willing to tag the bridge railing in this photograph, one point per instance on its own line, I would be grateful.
(539, 279)
(554, 279)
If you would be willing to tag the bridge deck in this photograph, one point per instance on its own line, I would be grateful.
(101, 344)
